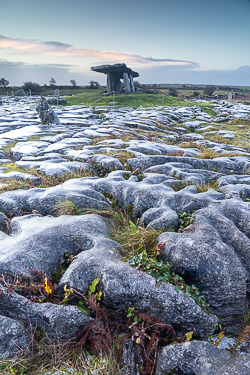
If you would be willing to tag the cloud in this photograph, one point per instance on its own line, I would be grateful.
(19, 64)
(236, 77)
(19, 72)
(58, 49)
(152, 70)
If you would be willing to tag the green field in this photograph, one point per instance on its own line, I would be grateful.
(98, 98)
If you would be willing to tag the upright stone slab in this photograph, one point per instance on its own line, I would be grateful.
(132, 83)
(126, 82)
(109, 82)
(117, 84)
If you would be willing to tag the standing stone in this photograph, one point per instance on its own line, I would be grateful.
(109, 82)
(117, 84)
(46, 113)
(132, 83)
(126, 82)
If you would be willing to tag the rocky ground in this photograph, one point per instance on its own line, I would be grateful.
(74, 181)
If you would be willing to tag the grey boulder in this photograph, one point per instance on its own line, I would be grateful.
(40, 243)
(233, 180)
(4, 225)
(59, 322)
(123, 286)
(14, 338)
(200, 358)
(43, 200)
(31, 148)
(20, 176)
(46, 113)
(213, 254)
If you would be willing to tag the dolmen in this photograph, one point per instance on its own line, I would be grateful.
(114, 74)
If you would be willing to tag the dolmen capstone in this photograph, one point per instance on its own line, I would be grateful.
(114, 74)
(46, 113)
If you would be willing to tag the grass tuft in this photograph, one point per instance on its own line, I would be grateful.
(7, 149)
(205, 186)
(34, 138)
(208, 153)
(133, 239)
(46, 181)
(66, 207)
(46, 356)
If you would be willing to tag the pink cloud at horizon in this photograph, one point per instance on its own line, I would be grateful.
(57, 49)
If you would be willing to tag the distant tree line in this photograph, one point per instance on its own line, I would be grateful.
(37, 88)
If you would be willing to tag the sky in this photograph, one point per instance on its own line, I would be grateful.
(165, 41)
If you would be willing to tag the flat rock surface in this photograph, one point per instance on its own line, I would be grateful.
(162, 162)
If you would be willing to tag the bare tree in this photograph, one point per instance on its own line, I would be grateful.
(4, 82)
(94, 84)
(173, 92)
(52, 82)
(209, 90)
(73, 82)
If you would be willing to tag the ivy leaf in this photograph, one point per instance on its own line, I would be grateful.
(98, 296)
(188, 336)
(92, 286)
(177, 288)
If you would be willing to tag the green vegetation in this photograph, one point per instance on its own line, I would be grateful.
(33, 86)
(12, 167)
(48, 356)
(140, 249)
(86, 350)
(7, 149)
(96, 98)
(134, 239)
(208, 108)
(195, 94)
(209, 90)
(205, 186)
(173, 92)
(45, 181)
(240, 133)
(179, 185)
(122, 156)
(154, 266)
(34, 138)
(66, 207)
(185, 219)
(202, 188)
(207, 153)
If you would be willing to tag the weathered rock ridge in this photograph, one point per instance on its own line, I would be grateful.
(151, 160)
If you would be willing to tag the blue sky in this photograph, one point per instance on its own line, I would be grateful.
(166, 41)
